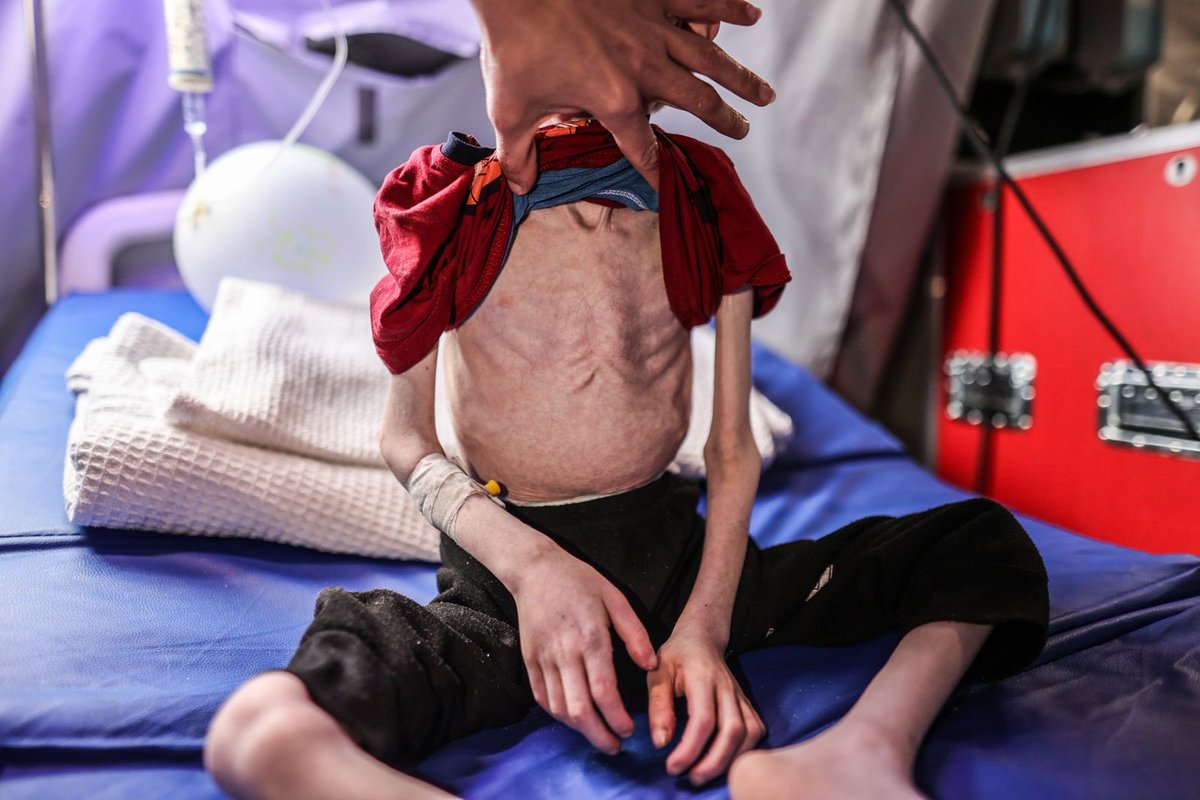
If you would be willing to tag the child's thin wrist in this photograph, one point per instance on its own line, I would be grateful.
(505, 545)
(705, 621)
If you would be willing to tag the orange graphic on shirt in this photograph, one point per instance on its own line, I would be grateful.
(488, 171)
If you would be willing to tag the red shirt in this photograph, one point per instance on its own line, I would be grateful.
(444, 219)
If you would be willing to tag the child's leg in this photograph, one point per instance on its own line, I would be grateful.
(270, 740)
(377, 682)
(870, 752)
(963, 581)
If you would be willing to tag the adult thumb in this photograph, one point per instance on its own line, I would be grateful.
(518, 158)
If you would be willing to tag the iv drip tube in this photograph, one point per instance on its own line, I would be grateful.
(341, 51)
(190, 68)
(340, 57)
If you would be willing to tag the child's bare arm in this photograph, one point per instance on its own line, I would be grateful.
(733, 463)
(692, 661)
(565, 607)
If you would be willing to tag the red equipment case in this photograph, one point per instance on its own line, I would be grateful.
(1127, 212)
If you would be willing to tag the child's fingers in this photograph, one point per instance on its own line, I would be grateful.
(602, 681)
(630, 629)
(702, 716)
(581, 713)
(556, 702)
(537, 685)
(756, 729)
(660, 705)
(731, 732)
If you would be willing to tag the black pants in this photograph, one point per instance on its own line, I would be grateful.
(404, 679)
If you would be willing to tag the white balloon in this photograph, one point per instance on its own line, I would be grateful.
(299, 218)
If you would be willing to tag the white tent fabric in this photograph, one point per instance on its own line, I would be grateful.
(811, 160)
(915, 163)
(117, 129)
(847, 165)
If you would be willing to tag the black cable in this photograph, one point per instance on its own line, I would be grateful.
(988, 155)
(983, 457)
(1004, 139)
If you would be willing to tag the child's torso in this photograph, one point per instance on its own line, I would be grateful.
(574, 376)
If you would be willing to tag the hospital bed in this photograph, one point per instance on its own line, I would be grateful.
(116, 647)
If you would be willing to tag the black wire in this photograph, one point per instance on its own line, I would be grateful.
(1004, 139)
(986, 153)
(1008, 127)
(997, 277)
(983, 457)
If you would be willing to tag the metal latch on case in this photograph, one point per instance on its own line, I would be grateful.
(1131, 412)
(996, 391)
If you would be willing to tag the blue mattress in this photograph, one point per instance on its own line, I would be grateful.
(117, 646)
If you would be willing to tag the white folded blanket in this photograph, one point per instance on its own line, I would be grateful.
(285, 371)
(127, 467)
(269, 428)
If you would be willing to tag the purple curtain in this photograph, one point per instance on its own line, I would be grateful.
(116, 126)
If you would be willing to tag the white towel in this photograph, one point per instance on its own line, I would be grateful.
(127, 467)
(282, 370)
(286, 371)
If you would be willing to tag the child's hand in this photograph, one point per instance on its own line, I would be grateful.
(692, 665)
(565, 609)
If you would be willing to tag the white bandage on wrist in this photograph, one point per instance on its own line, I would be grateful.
(440, 488)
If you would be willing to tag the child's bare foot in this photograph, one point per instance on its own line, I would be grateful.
(846, 761)
(270, 740)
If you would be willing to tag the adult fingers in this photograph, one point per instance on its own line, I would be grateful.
(602, 682)
(708, 30)
(627, 624)
(681, 89)
(700, 55)
(739, 12)
(581, 714)
(518, 159)
(731, 732)
(660, 705)
(701, 709)
(636, 140)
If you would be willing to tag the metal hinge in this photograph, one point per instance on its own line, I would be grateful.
(1132, 413)
(995, 391)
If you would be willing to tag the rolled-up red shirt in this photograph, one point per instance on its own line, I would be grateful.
(445, 218)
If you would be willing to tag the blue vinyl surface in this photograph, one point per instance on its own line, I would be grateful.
(117, 646)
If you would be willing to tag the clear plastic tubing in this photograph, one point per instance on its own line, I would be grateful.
(190, 68)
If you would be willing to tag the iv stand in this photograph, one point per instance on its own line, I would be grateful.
(35, 35)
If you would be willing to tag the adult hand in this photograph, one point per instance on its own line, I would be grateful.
(692, 665)
(565, 609)
(610, 60)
